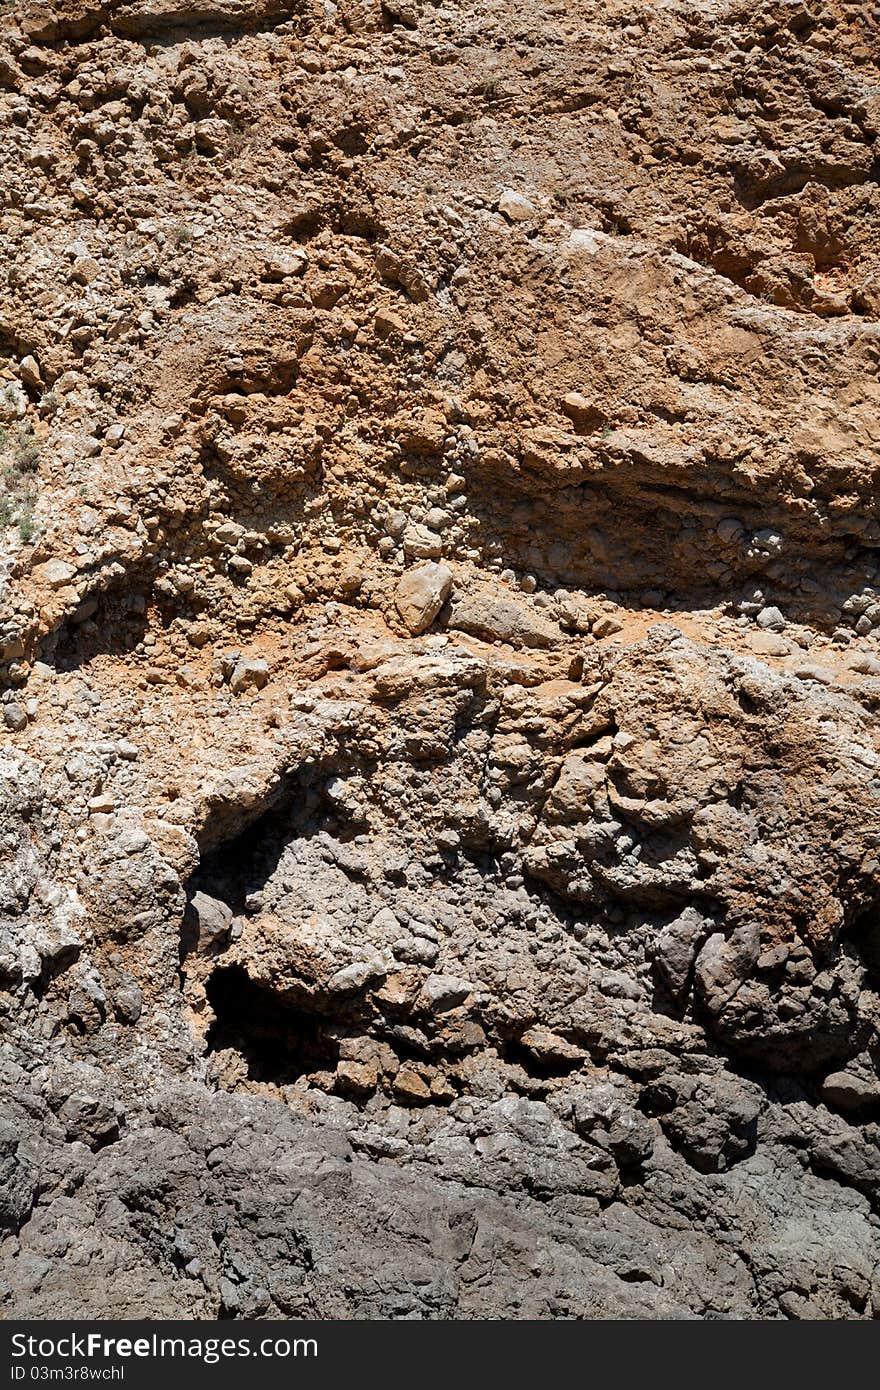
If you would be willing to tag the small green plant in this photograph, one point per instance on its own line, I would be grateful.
(240, 139)
(26, 451)
(179, 234)
(607, 431)
(18, 491)
(189, 161)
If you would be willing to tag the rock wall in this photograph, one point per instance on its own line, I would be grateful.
(439, 596)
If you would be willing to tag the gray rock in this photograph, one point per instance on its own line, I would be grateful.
(420, 542)
(421, 594)
(19, 1181)
(128, 1002)
(355, 976)
(249, 673)
(676, 949)
(811, 671)
(502, 620)
(90, 1119)
(441, 992)
(15, 717)
(850, 1091)
(606, 626)
(29, 371)
(57, 573)
(771, 618)
(713, 1123)
(516, 207)
(211, 920)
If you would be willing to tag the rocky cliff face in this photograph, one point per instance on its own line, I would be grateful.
(439, 591)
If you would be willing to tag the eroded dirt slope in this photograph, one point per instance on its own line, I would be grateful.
(438, 591)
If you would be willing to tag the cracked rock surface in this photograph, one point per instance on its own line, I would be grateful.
(439, 660)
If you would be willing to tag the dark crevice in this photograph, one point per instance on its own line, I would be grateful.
(864, 931)
(53, 967)
(241, 850)
(278, 1040)
(240, 866)
(195, 21)
(113, 623)
(687, 568)
(794, 180)
(539, 1069)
